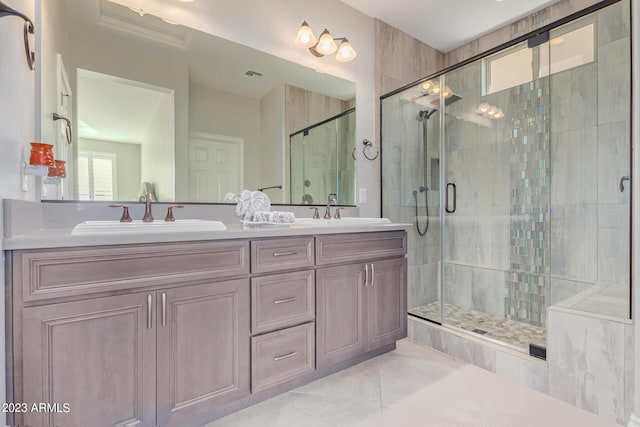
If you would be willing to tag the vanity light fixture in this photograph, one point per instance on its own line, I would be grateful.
(325, 45)
(491, 111)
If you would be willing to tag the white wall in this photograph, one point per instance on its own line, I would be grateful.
(145, 63)
(159, 153)
(275, 34)
(17, 128)
(127, 164)
(272, 145)
(221, 113)
(54, 40)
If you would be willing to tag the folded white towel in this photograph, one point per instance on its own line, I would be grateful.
(274, 217)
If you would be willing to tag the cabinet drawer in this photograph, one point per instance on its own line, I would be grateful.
(340, 248)
(281, 254)
(44, 274)
(282, 356)
(282, 300)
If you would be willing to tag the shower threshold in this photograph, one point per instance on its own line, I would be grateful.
(510, 332)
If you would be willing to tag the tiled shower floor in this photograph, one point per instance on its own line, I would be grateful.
(504, 330)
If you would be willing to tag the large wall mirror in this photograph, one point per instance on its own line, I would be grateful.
(164, 110)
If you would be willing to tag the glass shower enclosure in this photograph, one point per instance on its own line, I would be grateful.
(322, 162)
(513, 168)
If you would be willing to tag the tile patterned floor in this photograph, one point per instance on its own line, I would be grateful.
(412, 386)
(508, 331)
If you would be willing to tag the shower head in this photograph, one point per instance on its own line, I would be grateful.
(433, 101)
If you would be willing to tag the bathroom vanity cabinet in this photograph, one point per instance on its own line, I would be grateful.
(176, 334)
(361, 306)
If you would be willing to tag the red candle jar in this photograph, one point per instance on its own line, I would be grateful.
(41, 154)
(59, 169)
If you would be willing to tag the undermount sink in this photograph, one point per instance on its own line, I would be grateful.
(117, 227)
(344, 222)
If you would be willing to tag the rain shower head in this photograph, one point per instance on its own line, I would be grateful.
(433, 101)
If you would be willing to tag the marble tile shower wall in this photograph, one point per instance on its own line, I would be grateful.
(590, 143)
(400, 60)
(523, 26)
(477, 159)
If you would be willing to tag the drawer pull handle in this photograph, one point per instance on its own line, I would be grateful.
(277, 254)
(284, 356)
(282, 301)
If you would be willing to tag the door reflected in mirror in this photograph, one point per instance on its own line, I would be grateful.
(185, 115)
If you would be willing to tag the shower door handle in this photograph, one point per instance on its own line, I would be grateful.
(455, 198)
(622, 180)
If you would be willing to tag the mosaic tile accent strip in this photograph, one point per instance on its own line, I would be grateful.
(526, 280)
(508, 331)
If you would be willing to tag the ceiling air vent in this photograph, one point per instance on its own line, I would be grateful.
(251, 73)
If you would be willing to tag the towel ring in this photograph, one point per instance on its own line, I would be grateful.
(368, 144)
(29, 28)
(69, 132)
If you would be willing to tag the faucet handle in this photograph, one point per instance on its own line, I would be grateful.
(125, 212)
(170, 217)
(316, 215)
(337, 215)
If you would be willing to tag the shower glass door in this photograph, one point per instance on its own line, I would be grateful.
(495, 195)
(410, 129)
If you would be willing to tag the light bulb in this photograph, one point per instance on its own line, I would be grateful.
(483, 108)
(326, 44)
(492, 111)
(305, 37)
(447, 92)
(499, 114)
(435, 89)
(345, 52)
(427, 85)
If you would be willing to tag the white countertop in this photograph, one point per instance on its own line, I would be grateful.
(62, 238)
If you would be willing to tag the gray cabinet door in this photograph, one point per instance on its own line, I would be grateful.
(387, 302)
(203, 350)
(97, 355)
(340, 315)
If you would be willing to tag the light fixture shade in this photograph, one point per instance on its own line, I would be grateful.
(427, 85)
(435, 89)
(492, 111)
(483, 108)
(499, 114)
(305, 37)
(326, 44)
(346, 52)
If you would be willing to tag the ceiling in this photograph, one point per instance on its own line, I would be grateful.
(212, 61)
(126, 110)
(448, 24)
